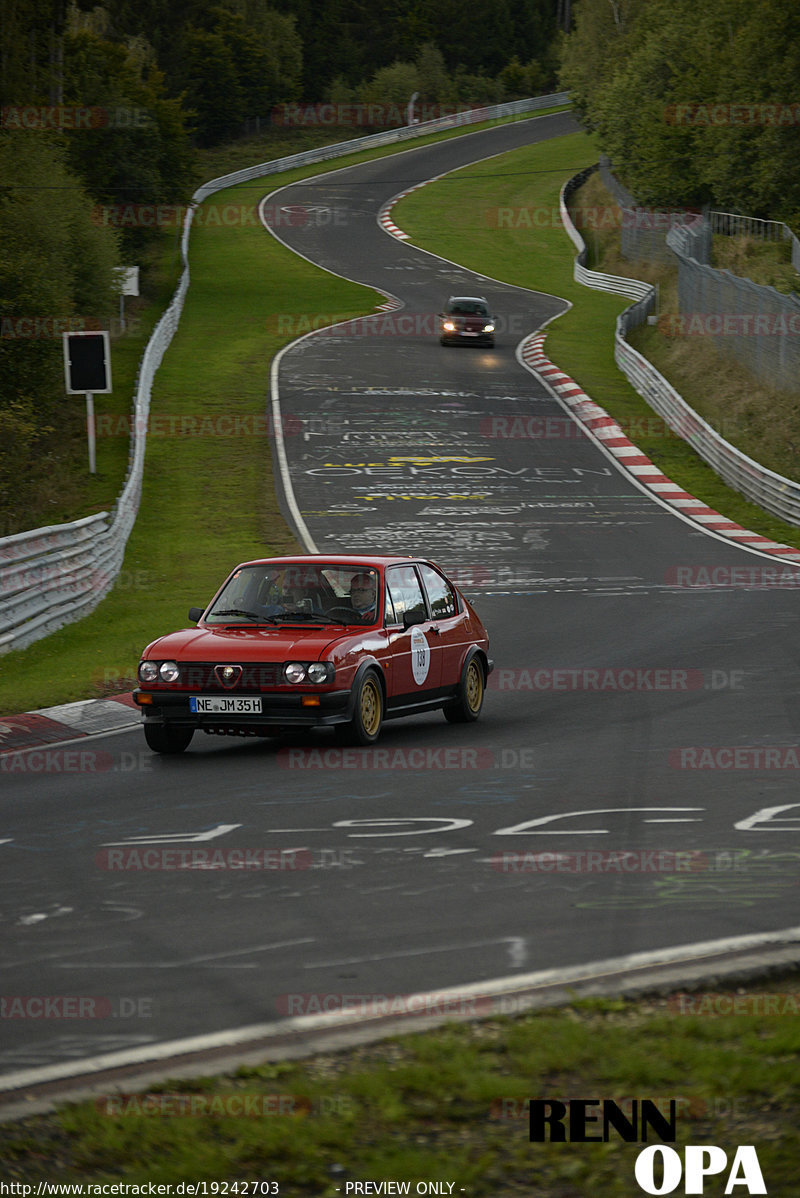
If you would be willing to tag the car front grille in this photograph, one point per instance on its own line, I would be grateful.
(255, 676)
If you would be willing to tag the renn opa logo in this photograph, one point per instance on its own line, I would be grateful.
(574, 1121)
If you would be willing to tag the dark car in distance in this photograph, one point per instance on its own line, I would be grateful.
(466, 318)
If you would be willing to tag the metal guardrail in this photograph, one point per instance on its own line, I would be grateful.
(771, 491)
(50, 577)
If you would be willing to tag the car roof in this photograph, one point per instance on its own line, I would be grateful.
(340, 559)
(480, 299)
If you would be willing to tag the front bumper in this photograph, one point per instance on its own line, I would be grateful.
(284, 710)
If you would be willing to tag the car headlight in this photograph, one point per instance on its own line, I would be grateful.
(320, 671)
(488, 328)
(168, 671)
(448, 324)
(294, 671)
(148, 671)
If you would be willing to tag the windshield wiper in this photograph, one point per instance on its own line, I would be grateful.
(302, 617)
(239, 611)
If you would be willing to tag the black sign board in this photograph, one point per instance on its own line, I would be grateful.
(87, 363)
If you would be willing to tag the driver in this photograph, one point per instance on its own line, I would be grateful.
(364, 595)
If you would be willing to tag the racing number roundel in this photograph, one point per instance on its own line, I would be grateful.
(420, 656)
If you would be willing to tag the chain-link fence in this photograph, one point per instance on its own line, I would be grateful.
(754, 324)
(643, 231)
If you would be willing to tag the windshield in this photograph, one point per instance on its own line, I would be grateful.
(466, 307)
(298, 593)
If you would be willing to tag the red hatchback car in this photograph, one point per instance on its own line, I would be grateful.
(316, 642)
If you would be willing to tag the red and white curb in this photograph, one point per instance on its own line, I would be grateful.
(386, 223)
(629, 457)
(384, 219)
(67, 721)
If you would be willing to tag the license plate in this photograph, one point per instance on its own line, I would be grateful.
(467, 333)
(224, 705)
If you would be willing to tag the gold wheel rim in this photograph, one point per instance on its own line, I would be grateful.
(370, 707)
(474, 686)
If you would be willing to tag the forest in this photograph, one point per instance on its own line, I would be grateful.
(694, 103)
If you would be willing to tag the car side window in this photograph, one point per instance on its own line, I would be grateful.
(405, 592)
(440, 594)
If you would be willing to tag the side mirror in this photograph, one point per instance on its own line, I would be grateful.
(196, 613)
(413, 617)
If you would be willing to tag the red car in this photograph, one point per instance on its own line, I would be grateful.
(316, 642)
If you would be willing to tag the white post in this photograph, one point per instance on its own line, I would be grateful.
(90, 429)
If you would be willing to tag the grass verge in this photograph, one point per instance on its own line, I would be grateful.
(450, 1106)
(502, 220)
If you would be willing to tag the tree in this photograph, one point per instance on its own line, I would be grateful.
(394, 84)
(435, 85)
(140, 152)
(56, 272)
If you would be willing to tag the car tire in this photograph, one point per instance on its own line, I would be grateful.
(162, 739)
(365, 726)
(466, 708)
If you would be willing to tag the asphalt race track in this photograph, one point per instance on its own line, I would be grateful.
(631, 786)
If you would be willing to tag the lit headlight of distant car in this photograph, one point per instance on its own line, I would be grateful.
(294, 671)
(449, 326)
(320, 671)
(148, 671)
(168, 671)
(488, 328)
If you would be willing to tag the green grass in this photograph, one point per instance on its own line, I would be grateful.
(456, 218)
(65, 490)
(447, 1105)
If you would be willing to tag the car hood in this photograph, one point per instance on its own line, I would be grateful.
(244, 644)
